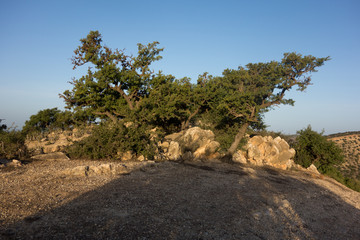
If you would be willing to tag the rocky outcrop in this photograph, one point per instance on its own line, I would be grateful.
(55, 141)
(191, 143)
(107, 169)
(262, 151)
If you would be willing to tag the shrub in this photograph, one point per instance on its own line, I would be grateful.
(108, 139)
(313, 148)
(12, 144)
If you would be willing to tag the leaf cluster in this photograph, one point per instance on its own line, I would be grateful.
(314, 148)
(11, 143)
(108, 140)
(52, 119)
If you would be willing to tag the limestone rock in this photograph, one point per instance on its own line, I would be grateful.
(51, 156)
(174, 151)
(240, 157)
(14, 163)
(312, 168)
(200, 143)
(261, 151)
(55, 141)
(127, 156)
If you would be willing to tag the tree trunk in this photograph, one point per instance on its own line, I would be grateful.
(186, 124)
(240, 135)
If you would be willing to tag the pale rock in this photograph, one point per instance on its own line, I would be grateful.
(199, 142)
(174, 151)
(51, 148)
(284, 146)
(174, 136)
(51, 156)
(127, 156)
(164, 145)
(256, 140)
(141, 158)
(240, 157)
(14, 163)
(253, 152)
(312, 168)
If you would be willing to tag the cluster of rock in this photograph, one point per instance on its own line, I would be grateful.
(193, 143)
(56, 141)
(261, 151)
(107, 169)
(12, 163)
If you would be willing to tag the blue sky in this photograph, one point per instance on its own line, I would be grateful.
(38, 39)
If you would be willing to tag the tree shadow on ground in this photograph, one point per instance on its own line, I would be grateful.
(191, 201)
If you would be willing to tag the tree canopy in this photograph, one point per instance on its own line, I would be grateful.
(115, 83)
(256, 88)
(123, 88)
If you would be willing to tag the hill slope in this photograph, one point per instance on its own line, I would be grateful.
(170, 200)
(350, 144)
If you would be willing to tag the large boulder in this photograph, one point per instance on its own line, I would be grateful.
(261, 151)
(195, 142)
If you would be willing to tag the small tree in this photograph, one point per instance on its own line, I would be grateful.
(256, 88)
(41, 121)
(116, 84)
(313, 148)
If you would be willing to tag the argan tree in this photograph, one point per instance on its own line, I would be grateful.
(257, 87)
(115, 83)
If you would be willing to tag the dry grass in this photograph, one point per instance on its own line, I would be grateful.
(350, 144)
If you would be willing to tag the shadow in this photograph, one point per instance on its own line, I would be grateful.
(192, 201)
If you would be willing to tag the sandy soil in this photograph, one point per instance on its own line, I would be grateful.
(170, 200)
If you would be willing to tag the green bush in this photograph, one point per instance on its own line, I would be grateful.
(313, 148)
(108, 139)
(12, 144)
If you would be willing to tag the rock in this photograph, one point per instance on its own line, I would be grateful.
(200, 143)
(256, 140)
(253, 152)
(127, 156)
(14, 163)
(103, 169)
(174, 136)
(51, 148)
(195, 138)
(312, 168)
(261, 151)
(174, 151)
(240, 157)
(51, 156)
(141, 158)
(56, 141)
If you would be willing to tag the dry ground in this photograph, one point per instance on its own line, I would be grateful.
(174, 201)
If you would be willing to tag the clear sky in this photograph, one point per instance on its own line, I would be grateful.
(38, 39)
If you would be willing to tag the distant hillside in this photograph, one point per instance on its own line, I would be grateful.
(349, 142)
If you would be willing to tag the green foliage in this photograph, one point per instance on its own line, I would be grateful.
(109, 139)
(122, 88)
(47, 120)
(314, 148)
(12, 143)
(116, 85)
(250, 91)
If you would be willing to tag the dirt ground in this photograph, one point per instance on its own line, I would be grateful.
(168, 200)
